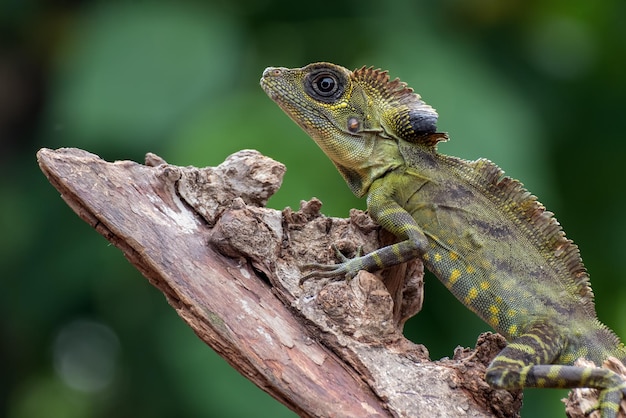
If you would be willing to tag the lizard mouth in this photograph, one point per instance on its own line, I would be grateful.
(267, 89)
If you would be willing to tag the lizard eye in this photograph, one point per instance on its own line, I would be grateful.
(324, 85)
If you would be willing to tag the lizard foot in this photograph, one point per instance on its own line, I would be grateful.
(346, 267)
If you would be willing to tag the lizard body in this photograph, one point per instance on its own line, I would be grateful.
(485, 237)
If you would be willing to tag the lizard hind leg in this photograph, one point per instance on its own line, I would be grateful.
(527, 362)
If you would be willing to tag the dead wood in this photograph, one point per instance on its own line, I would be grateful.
(229, 267)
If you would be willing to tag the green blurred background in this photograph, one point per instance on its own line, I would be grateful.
(538, 87)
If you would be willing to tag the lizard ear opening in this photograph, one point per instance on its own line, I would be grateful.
(353, 125)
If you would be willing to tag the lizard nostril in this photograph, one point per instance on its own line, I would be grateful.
(272, 72)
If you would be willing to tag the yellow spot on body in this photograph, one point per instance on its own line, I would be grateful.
(513, 330)
(471, 295)
(484, 285)
(494, 321)
(453, 256)
(498, 299)
(450, 241)
(494, 310)
(511, 313)
(426, 257)
(454, 276)
(437, 257)
(470, 269)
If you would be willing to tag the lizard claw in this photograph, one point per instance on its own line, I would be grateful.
(330, 271)
(321, 271)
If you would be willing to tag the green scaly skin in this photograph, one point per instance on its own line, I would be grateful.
(482, 234)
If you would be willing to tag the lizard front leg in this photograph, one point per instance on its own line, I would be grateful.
(384, 208)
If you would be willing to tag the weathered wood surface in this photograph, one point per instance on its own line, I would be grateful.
(229, 266)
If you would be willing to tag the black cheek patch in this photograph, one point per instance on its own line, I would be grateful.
(417, 126)
(423, 122)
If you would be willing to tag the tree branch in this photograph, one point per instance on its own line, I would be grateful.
(229, 267)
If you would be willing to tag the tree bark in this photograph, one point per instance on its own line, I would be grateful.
(230, 268)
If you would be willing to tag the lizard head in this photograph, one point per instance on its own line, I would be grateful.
(356, 117)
